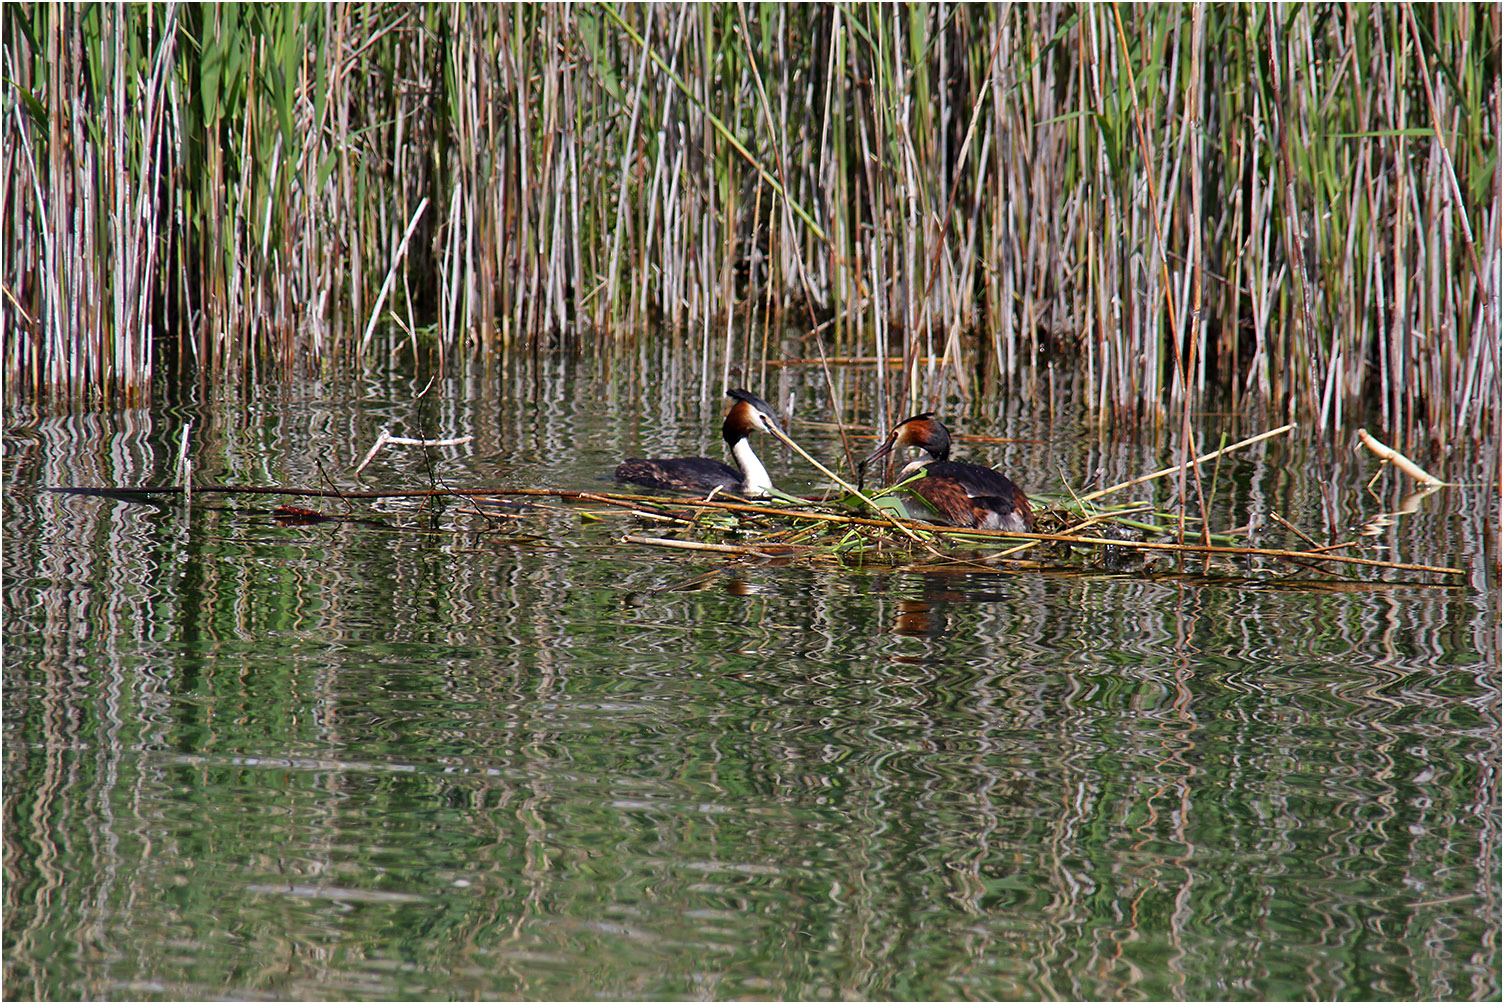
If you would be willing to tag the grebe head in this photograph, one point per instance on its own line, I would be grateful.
(923, 430)
(750, 414)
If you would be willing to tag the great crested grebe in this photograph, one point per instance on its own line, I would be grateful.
(702, 475)
(959, 494)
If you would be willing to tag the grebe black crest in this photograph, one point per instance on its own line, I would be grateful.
(701, 475)
(955, 494)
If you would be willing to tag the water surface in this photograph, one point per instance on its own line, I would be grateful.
(437, 755)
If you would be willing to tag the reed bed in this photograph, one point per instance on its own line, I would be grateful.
(1295, 207)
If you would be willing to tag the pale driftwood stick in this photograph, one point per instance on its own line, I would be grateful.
(1399, 460)
(381, 440)
(404, 441)
(387, 437)
(1199, 460)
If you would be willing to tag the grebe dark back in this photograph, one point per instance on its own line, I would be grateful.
(701, 475)
(956, 494)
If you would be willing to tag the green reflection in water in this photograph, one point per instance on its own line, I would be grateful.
(347, 762)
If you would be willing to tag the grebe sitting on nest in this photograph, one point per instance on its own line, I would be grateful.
(956, 494)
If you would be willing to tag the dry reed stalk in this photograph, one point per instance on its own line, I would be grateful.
(1310, 220)
(1179, 468)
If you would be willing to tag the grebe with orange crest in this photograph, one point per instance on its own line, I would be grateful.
(954, 493)
(701, 475)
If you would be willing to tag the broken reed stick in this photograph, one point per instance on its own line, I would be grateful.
(386, 436)
(624, 501)
(1294, 529)
(1199, 460)
(1399, 460)
(311, 493)
(634, 507)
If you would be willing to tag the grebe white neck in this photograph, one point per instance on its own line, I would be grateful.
(753, 472)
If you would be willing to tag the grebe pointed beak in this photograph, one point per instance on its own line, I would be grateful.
(877, 454)
(883, 450)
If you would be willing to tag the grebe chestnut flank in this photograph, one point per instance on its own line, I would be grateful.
(959, 494)
(701, 475)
